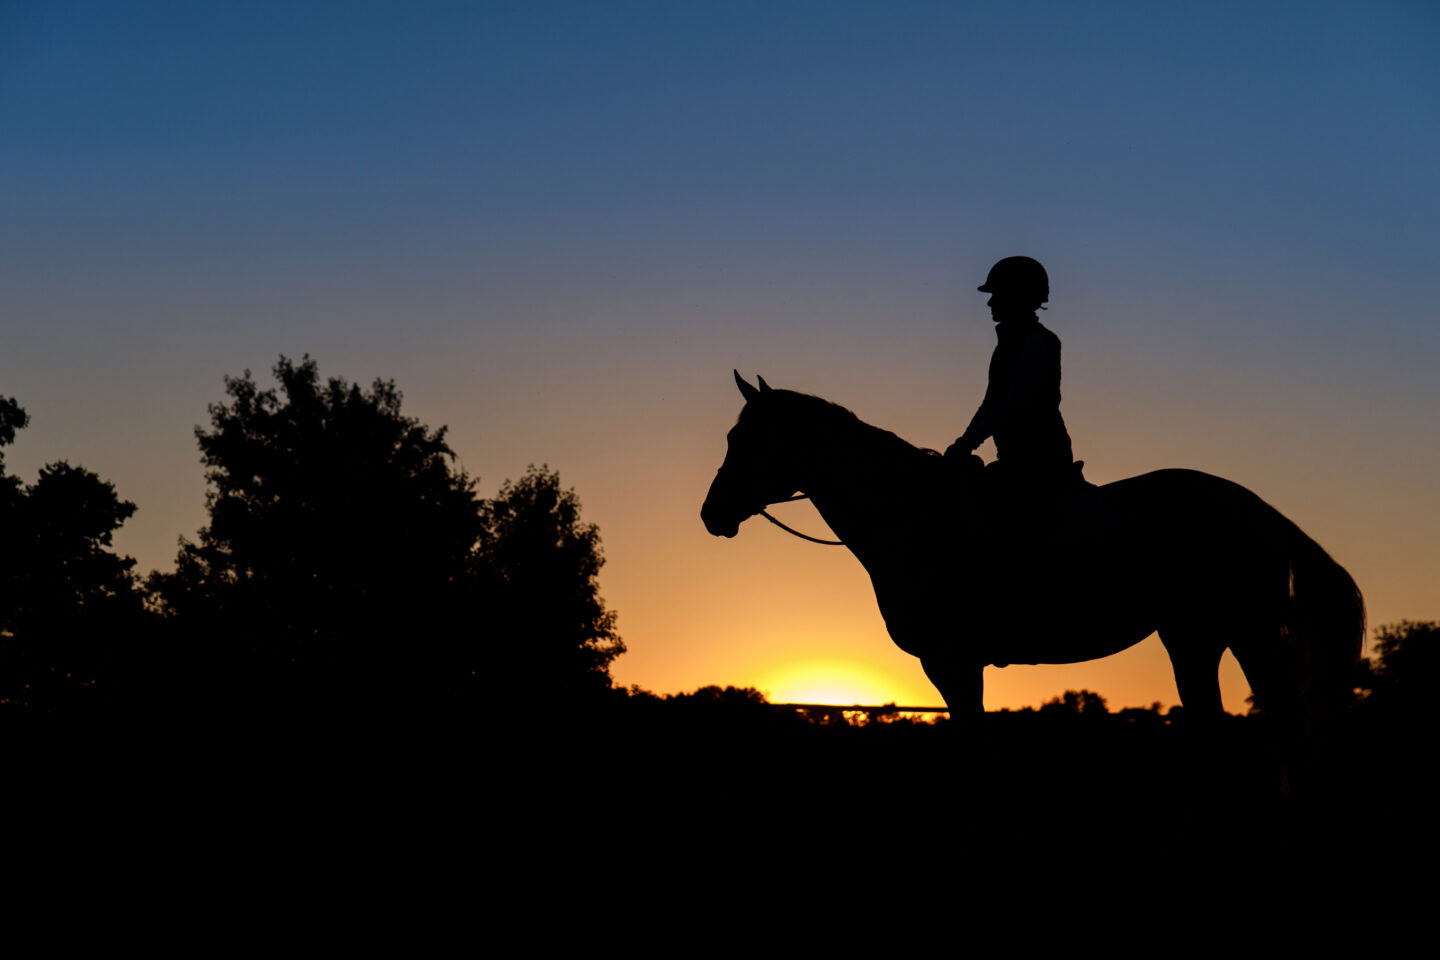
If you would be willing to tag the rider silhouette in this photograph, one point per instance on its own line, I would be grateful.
(1021, 409)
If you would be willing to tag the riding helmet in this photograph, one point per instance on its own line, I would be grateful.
(1020, 276)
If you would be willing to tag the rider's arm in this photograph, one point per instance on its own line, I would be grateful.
(982, 425)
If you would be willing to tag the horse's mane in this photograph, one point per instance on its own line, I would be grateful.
(826, 415)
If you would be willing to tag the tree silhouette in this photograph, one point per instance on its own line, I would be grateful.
(349, 568)
(548, 622)
(1085, 702)
(1409, 654)
(338, 563)
(1402, 679)
(70, 610)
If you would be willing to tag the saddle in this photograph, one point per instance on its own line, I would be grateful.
(999, 479)
(1016, 510)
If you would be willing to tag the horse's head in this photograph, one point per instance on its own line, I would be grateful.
(758, 468)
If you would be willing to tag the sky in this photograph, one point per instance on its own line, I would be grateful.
(559, 226)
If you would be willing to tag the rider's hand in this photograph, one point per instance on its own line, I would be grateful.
(960, 449)
(960, 462)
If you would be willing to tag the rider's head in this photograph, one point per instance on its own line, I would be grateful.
(1017, 287)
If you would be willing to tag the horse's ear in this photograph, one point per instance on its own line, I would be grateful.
(746, 391)
(764, 387)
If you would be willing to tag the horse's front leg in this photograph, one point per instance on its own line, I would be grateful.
(919, 629)
(961, 683)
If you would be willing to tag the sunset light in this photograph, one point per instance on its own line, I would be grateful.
(836, 682)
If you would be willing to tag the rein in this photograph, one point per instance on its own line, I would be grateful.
(791, 530)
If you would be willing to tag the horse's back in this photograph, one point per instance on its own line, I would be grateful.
(1206, 542)
(1196, 504)
(1175, 482)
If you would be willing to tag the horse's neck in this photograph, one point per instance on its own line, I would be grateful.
(859, 487)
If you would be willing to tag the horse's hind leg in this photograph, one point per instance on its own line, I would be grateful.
(1195, 655)
(1260, 658)
(1264, 655)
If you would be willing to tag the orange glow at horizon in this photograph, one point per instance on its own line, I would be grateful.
(839, 682)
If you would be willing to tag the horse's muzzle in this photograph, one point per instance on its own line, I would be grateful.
(717, 514)
(717, 526)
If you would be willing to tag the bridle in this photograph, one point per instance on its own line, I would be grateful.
(791, 530)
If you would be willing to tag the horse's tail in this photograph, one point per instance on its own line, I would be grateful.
(1325, 630)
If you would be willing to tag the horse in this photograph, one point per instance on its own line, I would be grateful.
(965, 578)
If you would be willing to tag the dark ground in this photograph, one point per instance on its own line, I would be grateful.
(649, 801)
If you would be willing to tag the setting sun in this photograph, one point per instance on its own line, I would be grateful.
(838, 682)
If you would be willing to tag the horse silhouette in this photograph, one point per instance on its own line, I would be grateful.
(963, 583)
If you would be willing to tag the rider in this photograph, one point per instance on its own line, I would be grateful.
(1021, 409)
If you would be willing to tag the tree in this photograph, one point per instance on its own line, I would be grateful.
(348, 566)
(1404, 675)
(70, 610)
(1409, 654)
(549, 622)
(339, 557)
(1085, 702)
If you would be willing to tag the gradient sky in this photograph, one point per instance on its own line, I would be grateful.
(558, 226)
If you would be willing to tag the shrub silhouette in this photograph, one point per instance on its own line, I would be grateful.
(1085, 702)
